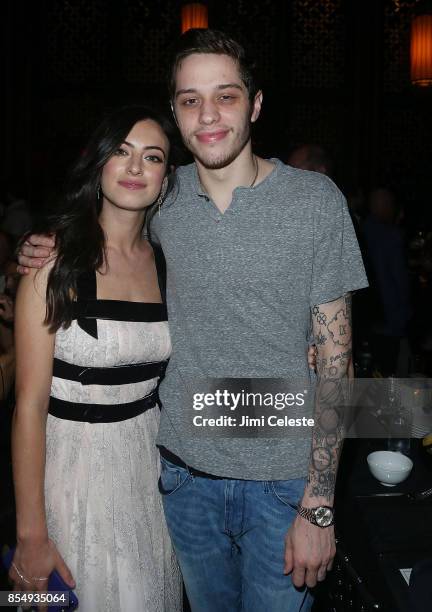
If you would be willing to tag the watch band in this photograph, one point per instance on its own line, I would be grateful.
(321, 516)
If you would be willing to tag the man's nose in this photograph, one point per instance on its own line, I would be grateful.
(209, 112)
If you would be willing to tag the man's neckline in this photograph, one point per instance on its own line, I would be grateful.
(273, 160)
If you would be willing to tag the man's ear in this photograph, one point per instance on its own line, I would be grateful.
(256, 106)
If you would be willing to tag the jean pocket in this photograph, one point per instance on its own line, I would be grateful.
(288, 492)
(172, 477)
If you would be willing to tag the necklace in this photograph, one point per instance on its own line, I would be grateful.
(256, 172)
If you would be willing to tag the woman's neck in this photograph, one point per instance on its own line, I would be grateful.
(122, 228)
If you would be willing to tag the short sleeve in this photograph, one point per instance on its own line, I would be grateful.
(337, 266)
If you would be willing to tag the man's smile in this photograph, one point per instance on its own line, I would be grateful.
(209, 137)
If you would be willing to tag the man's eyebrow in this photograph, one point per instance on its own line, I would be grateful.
(184, 91)
(219, 87)
(229, 85)
(129, 144)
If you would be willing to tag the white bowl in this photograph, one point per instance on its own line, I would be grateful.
(389, 468)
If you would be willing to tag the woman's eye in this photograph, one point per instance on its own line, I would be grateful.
(155, 159)
(120, 152)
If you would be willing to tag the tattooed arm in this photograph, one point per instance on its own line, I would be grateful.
(309, 550)
(332, 328)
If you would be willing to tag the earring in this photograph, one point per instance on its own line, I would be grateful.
(98, 192)
(162, 194)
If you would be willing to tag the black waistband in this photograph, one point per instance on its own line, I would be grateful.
(172, 458)
(120, 375)
(101, 413)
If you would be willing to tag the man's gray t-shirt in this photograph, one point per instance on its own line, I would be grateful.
(240, 287)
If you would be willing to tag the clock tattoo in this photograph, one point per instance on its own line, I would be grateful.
(331, 439)
(321, 458)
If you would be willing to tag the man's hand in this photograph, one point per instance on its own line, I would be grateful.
(35, 252)
(309, 552)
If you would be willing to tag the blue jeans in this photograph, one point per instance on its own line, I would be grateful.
(229, 539)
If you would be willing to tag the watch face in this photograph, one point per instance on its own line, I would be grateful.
(323, 516)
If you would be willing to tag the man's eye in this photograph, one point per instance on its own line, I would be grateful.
(226, 98)
(190, 102)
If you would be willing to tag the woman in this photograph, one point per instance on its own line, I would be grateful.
(91, 342)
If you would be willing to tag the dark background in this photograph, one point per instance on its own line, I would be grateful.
(335, 72)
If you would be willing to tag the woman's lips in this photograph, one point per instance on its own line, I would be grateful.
(208, 137)
(132, 185)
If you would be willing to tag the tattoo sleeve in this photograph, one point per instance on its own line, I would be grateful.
(331, 324)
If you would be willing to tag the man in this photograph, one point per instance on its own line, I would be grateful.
(249, 268)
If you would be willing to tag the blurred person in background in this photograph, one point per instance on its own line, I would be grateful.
(7, 377)
(15, 214)
(8, 282)
(388, 272)
(313, 157)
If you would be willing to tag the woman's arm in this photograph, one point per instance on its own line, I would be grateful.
(35, 556)
(34, 355)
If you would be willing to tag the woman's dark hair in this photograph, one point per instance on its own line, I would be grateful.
(80, 240)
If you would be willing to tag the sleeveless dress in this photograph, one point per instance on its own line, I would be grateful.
(103, 508)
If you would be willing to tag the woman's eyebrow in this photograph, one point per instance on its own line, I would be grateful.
(129, 144)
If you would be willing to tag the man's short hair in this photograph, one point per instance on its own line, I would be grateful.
(213, 41)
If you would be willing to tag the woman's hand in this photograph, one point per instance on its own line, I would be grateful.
(32, 565)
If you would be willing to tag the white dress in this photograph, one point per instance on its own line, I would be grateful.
(104, 510)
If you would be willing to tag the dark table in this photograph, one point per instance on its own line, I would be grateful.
(379, 531)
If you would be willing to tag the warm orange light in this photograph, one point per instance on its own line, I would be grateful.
(421, 50)
(194, 15)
